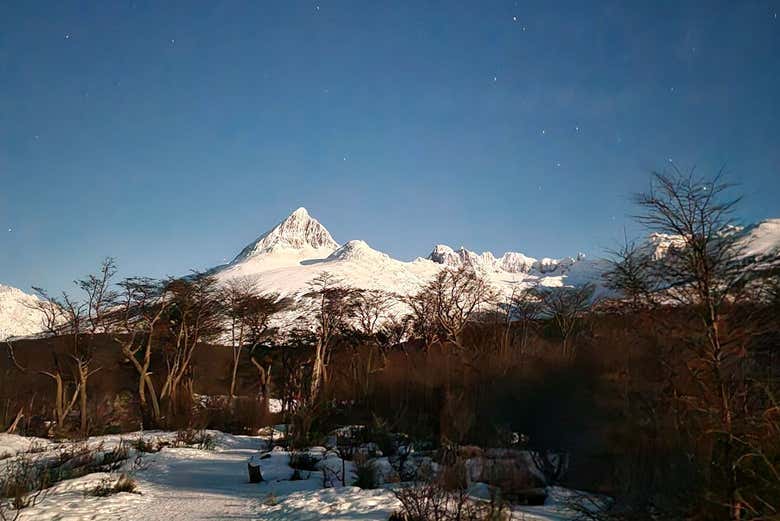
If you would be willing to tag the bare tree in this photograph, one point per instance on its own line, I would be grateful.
(333, 308)
(374, 319)
(62, 404)
(515, 318)
(446, 305)
(422, 320)
(631, 273)
(249, 315)
(706, 273)
(78, 321)
(566, 306)
(99, 296)
(143, 304)
(193, 316)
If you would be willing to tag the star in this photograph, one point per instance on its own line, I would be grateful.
(317, 8)
(670, 160)
(671, 89)
(514, 18)
(544, 132)
(577, 128)
(345, 158)
(523, 28)
(558, 164)
(173, 41)
(10, 230)
(67, 36)
(495, 78)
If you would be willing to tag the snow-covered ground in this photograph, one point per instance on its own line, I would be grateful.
(194, 484)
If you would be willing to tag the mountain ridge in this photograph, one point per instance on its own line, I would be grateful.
(299, 248)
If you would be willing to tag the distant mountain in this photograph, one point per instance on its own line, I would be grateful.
(298, 249)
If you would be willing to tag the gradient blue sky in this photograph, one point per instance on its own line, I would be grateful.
(169, 136)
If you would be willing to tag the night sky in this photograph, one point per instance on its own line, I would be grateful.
(169, 136)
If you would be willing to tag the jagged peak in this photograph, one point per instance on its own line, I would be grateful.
(299, 231)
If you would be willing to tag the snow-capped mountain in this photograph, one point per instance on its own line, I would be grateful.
(299, 232)
(299, 248)
(18, 313)
(511, 262)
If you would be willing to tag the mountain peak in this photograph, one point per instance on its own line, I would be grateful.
(300, 213)
(299, 231)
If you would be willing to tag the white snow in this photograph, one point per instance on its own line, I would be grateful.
(18, 313)
(299, 249)
(178, 484)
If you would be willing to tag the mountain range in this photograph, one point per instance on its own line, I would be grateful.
(299, 248)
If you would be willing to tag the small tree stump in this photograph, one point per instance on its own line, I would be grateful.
(255, 470)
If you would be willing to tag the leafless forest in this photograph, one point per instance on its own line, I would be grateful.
(662, 395)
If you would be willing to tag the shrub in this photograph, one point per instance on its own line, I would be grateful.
(107, 486)
(366, 475)
(146, 446)
(304, 461)
(431, 502)
(195, 438)
(22, 484)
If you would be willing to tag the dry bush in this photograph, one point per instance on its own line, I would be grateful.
(303, 461)
(194, 438)
(430, 501)
(108, 486)
(22, 485)
(366, 473)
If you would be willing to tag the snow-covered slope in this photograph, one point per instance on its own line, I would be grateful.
(299, 248)
(18, 314)
(762, 239)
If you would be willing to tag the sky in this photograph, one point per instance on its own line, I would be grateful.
(169, 135)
